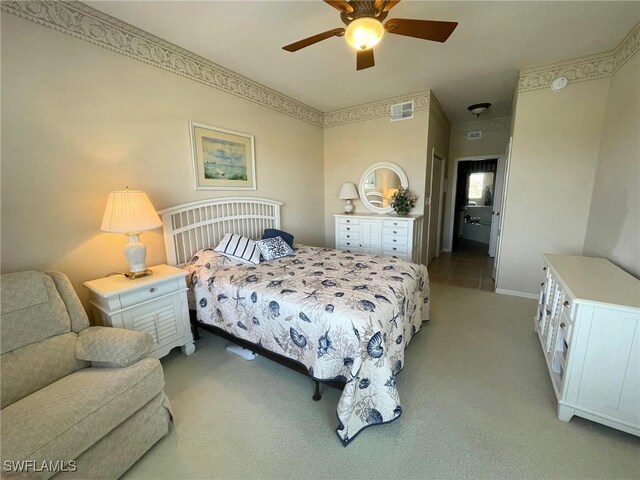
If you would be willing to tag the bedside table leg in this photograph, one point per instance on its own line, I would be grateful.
(188, 348)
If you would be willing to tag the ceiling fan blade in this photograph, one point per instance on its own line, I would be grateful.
(425, 29)
(294, 47)
(364, 59)
(340, 5)
(390, 4)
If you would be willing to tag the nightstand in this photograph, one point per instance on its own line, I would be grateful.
(156, 304)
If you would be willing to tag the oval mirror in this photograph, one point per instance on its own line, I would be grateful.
(378, 184)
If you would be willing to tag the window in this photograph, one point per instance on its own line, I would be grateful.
(480, 189)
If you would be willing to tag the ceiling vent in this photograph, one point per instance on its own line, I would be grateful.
(474, 135)
(402, 111)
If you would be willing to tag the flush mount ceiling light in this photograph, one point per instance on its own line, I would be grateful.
(478, 109)
(364, 28)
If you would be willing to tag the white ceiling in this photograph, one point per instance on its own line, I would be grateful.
(479, 62)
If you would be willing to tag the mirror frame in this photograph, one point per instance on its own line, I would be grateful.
(404, 181)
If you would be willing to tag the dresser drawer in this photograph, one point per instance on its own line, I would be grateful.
(141, 295)
(347, 236)
(392, 239)
(394, 249)
(347, 221)
(400, 231)
(348, 245)
(348, 229)
(395, 223)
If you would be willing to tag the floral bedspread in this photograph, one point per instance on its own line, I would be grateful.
(345, 316)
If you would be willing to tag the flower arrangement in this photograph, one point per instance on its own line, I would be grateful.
(403, 200)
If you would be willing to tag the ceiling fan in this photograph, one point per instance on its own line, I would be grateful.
(364, 28)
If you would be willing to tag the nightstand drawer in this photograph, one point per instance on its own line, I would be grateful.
(156, 290)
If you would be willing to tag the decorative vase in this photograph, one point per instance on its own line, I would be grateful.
(402, 212)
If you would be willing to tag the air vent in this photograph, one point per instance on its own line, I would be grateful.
(402, 111)
(474, 135)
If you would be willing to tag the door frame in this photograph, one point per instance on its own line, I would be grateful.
(442, 158)
(454, 187)
(505, 189)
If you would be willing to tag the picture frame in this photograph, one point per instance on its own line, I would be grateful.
(222, 159)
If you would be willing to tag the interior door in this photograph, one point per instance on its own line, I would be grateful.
(503, 202)
(497, 205)
(435, 214)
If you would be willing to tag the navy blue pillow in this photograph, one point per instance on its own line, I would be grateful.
(272, 232)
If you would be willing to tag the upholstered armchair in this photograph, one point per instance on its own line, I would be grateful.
(77, 401)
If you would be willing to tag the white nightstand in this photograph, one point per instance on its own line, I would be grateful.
(156, 304)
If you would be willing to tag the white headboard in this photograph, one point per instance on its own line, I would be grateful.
(192, 226)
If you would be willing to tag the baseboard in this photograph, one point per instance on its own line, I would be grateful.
(515, 293)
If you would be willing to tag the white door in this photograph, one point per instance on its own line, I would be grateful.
(497, 206)
(503, 202)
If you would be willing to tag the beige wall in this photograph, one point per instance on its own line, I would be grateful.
(79, 121)
(614, 219)
(556, 138)
(492, 142)
(350, 149)
(439, 132)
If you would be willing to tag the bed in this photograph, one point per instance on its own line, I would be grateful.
(341, 317)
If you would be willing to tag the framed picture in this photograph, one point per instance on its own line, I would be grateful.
(222, 159)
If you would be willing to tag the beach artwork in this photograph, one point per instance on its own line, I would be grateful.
(223, 160)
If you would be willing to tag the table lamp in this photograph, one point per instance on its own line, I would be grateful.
(348, 192)
(130, 212)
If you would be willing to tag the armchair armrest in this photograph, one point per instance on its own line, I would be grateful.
(112, 347)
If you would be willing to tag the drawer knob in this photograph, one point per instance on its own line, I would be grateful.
(563, 326)
(348, 228)
(348, 243)
(394, 240)
(348, 221)
(152, 289)
(566, 303)
(395, 223)
(548, 312)
(544, 269)
(394, 248)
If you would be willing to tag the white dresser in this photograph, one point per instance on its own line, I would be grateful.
(588, 321)
(380, 234)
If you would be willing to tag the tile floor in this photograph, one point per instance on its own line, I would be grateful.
(468, 266)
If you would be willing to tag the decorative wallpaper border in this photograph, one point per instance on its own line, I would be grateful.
(377, 109)
(83, 22)
(488, 125)
(592, 67)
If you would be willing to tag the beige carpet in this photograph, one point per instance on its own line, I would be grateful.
(477, 400)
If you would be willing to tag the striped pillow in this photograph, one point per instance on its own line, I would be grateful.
(239, 248)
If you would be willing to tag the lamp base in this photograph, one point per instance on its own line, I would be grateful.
(134, 275)
(348, 207)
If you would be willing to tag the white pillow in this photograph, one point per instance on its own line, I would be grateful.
(239, 248)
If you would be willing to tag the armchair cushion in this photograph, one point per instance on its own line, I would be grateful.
(112, 347)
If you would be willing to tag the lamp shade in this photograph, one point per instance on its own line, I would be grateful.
(348, 191)
(129, 211)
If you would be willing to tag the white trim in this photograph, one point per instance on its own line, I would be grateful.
(454, 187)
(516, 293)
(435, 154)
(192, 226)
(404, 180)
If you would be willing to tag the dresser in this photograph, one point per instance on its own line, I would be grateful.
(588, 322)
(156, 304)
(380, 234)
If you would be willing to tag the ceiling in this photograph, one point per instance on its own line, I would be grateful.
(479, 63)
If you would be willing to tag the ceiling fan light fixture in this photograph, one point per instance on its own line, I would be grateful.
(364, 33)
(478, 109)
